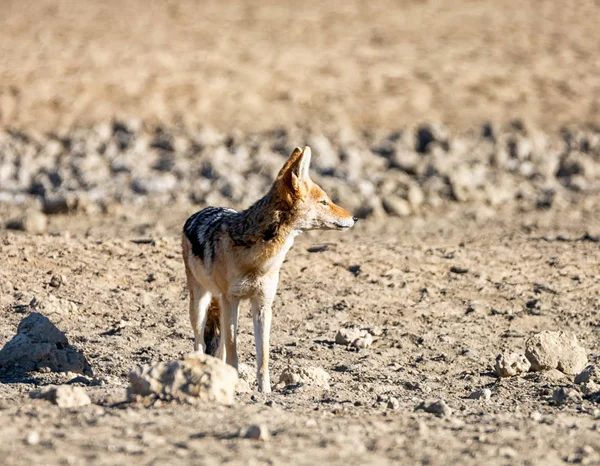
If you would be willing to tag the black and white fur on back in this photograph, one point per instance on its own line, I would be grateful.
(202, 230)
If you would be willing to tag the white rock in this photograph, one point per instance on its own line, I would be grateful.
(64, 396)
(195, 376)
(484, 394)
(306, 375)
(511, 364)
(555, 350)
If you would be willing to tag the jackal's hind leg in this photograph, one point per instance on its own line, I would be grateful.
(199, 302)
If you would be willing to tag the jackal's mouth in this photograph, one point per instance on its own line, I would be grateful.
(345, 225)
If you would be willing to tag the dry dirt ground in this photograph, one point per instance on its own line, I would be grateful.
(256, 65)
(438, 333)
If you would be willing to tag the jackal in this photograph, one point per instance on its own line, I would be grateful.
(231, 256)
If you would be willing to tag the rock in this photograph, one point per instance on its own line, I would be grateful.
(511, 364)
(396, 206)
(32, 221)
(57, 280)
(555, 350)
(59, 204)
(589, 374)
(64, 396)
(256, 432)
(415, 196)
(32, 438)
(363, 342)
(38, 345)
(536, 416)
(423, 138)
(351, 334)
(589, 388)
(194, 377)
(484, 394)
(311, 377)
(564, 395)
(157, 184)
(393, 403)
(438, 407)
(347, 334)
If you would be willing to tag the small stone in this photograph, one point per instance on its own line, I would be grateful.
(511, 364)
(393, 403)
(396, 206)
(57, 281)
(363, 342)
(536, 416)
(32, 438)
(351, 334)
(555, 350)
(59, 204)
(564, 395)
(34, 222)
(438, 407)
(347, 335)
(256, 432)
(64, 396)
(310, 377)
(484, 394)
(589, 388)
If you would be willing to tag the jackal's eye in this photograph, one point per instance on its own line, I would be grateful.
(324, 202)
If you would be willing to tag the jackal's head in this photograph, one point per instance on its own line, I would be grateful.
(310, 206)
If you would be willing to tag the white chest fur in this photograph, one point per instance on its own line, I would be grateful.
(276, 261)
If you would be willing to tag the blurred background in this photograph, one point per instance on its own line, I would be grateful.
(254, 65)
(410, 103)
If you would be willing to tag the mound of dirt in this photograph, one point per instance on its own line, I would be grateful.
(39, 345)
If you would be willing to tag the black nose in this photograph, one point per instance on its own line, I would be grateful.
(355, 218)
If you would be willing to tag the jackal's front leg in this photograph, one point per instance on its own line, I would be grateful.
(261, 316)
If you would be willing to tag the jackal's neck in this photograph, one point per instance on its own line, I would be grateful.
(268, 221)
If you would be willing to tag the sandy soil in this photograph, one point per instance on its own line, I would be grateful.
(256, 65)
(438, 335)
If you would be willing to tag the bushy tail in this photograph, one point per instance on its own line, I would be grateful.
(212, 329)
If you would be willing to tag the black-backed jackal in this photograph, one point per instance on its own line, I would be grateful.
(232, 256)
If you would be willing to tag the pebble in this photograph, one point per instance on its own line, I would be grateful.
(393, 403)
(484, 394)
(256, 432)
(32, 438)
(438, 407)
(511, 364)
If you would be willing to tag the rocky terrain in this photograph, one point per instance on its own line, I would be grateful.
(374, 174)
(457, 323)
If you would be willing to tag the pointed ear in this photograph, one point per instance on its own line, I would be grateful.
(304, 164)
(291, 161)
